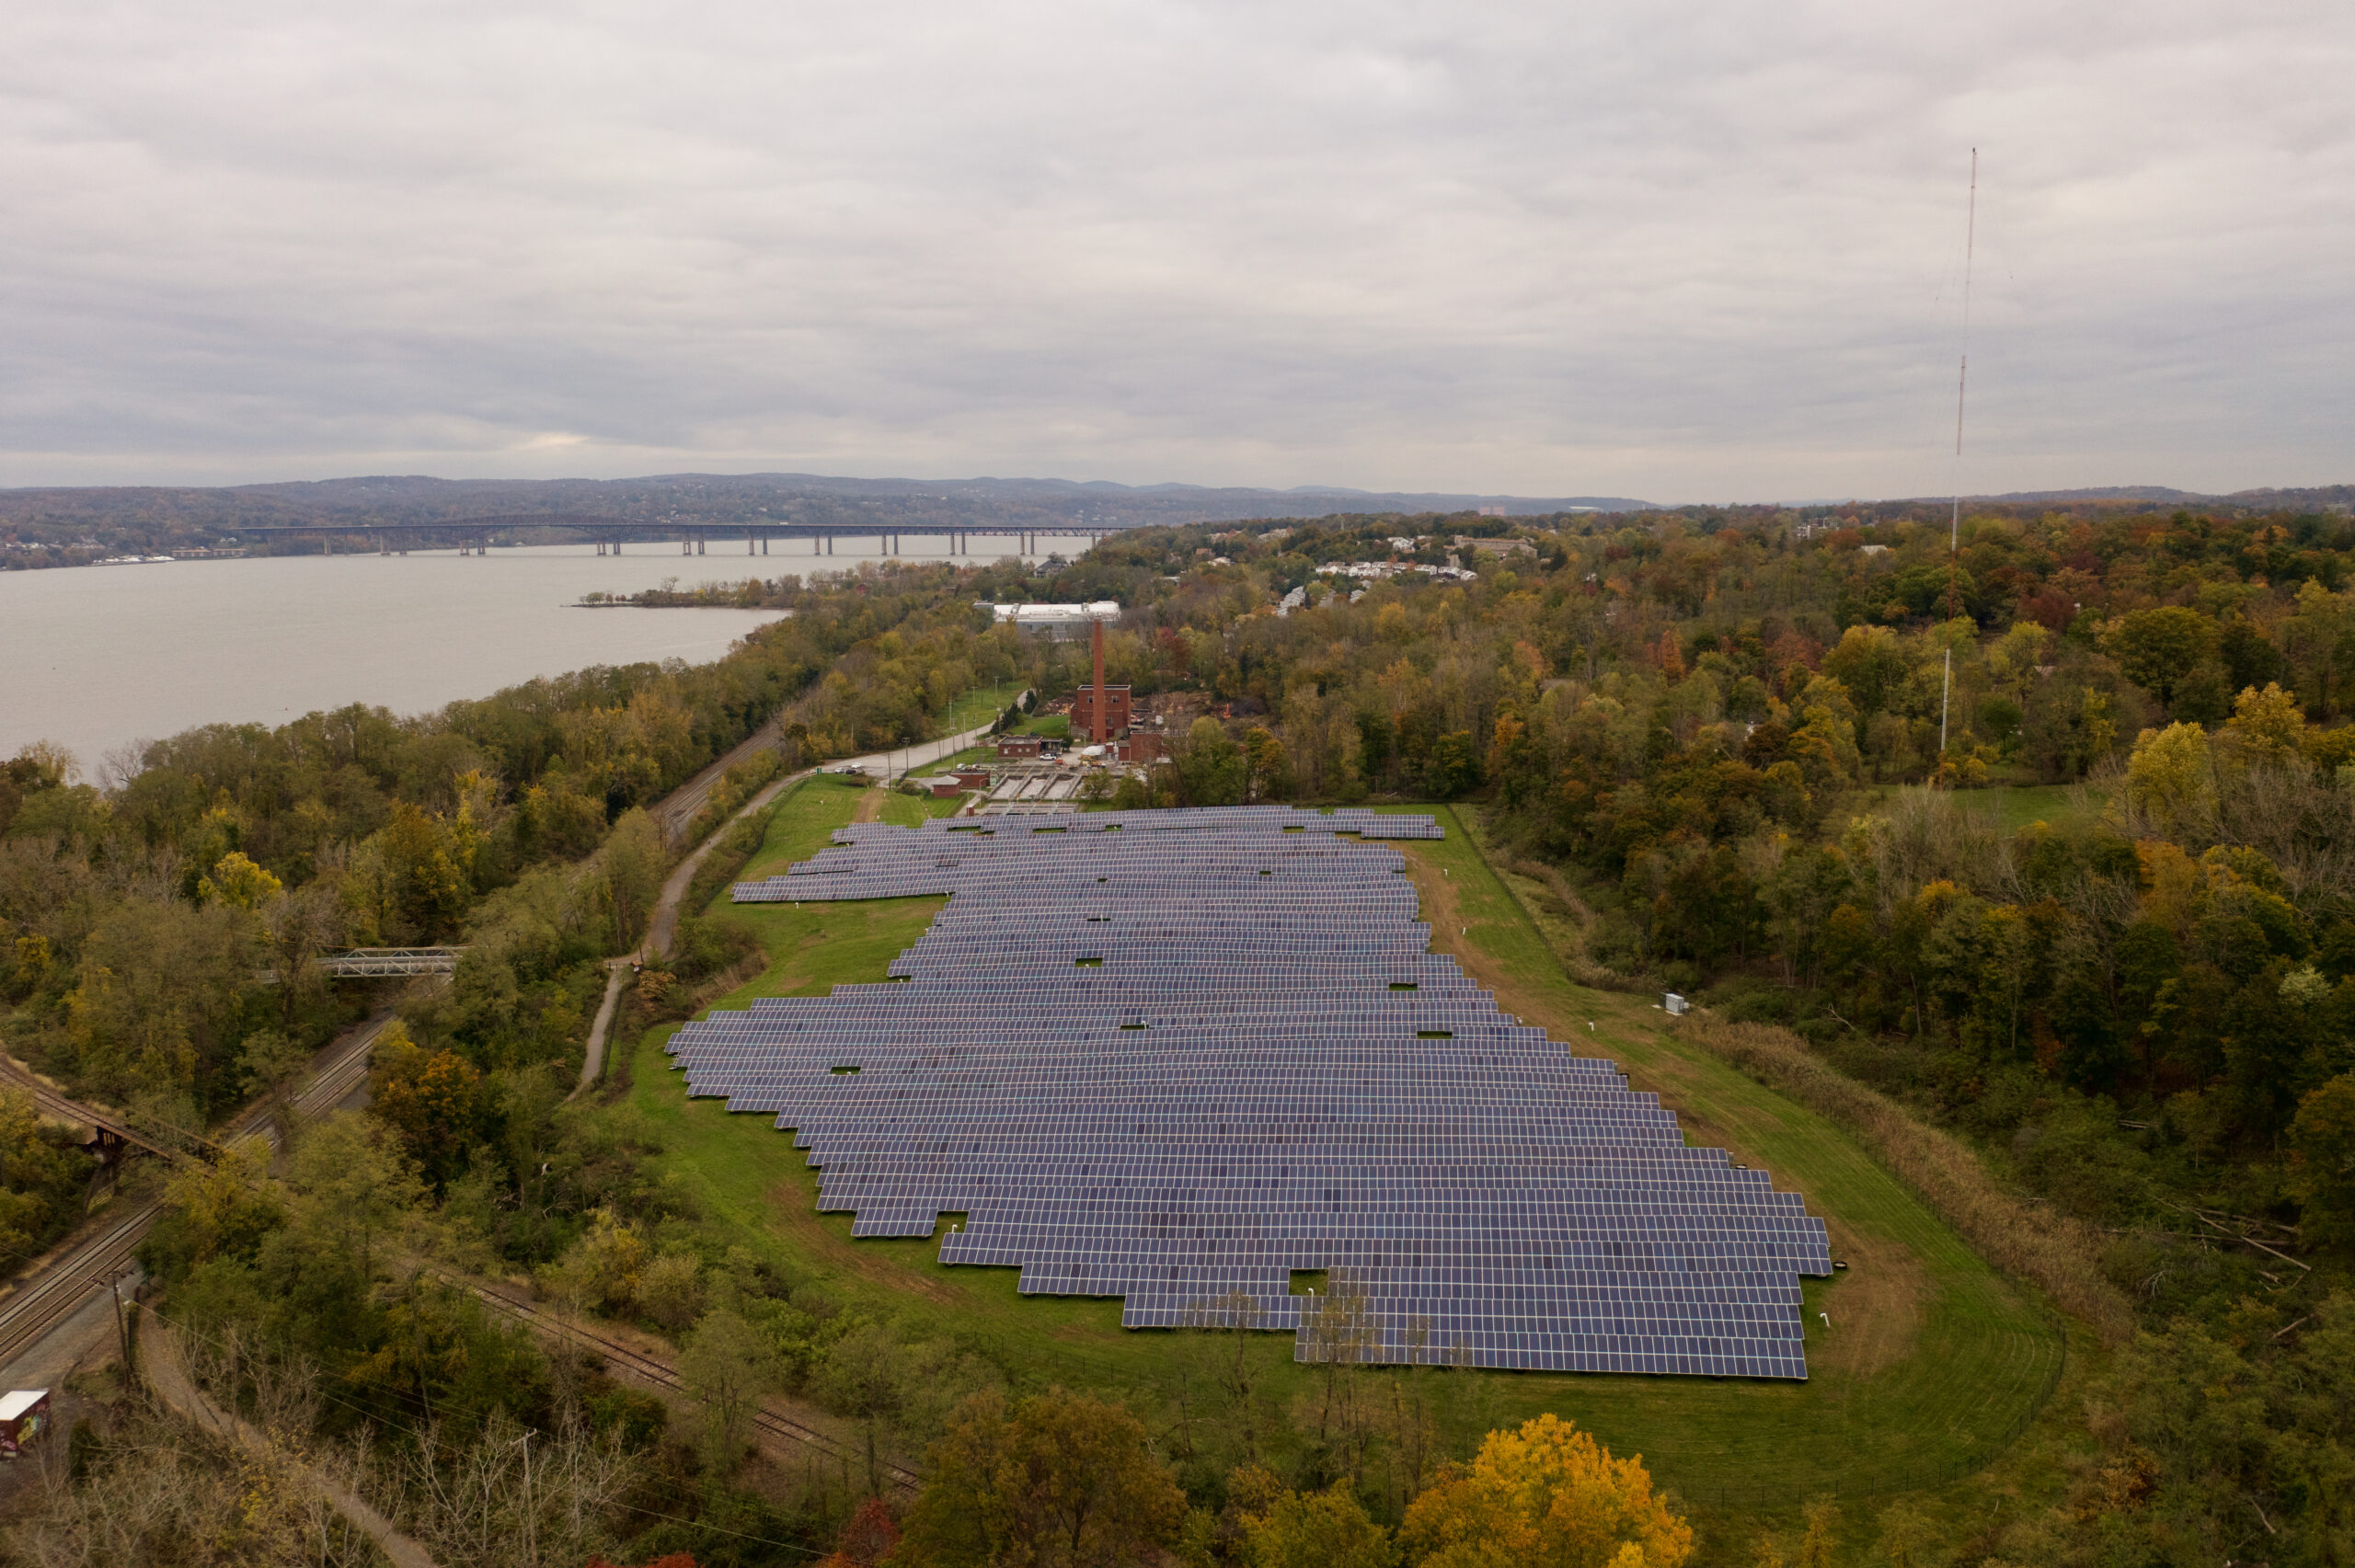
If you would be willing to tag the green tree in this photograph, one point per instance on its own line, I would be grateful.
(864, 1376)
(1058, 1480)
(1455, 765)
(41, 1179)
(726, 1365)
(2322, 1159)
(1320, 1530)
(1211, 769)
(355, 1193)
(1268, 772)
(2158, 649)
(272, 1065)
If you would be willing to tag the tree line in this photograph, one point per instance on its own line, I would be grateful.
(1770, 759)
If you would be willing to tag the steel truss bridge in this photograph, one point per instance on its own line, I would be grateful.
(371, 962)
(378, 963)
(471, 535)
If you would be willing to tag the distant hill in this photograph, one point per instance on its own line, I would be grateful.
(160, 517)
(2265, 499)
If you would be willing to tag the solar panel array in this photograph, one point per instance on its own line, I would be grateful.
(1177, 1055)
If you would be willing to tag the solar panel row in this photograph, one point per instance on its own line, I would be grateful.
(1176, 1057)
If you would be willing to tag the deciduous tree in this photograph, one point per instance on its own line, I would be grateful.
(1546, 1496)
(1058, 1480)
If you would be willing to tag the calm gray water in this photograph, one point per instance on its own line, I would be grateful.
(95, 658)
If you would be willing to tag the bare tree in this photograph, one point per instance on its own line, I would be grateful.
(1238, 1314)
(515, 1497)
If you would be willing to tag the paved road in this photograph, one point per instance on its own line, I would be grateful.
(665, 923)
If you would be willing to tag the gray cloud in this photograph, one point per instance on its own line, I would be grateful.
(1701, 250)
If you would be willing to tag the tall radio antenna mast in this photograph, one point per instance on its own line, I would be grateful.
(1954, 524)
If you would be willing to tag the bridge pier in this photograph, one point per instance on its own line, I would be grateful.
(698, 544)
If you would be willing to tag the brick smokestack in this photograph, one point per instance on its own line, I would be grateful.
(1096, 716)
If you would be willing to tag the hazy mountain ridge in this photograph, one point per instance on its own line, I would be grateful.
(154, 515)
(148, 517)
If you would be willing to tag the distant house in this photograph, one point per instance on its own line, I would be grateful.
(945, 788)
(1027, 748)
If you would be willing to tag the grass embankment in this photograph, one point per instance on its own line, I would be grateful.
(1931, 1357)
(1931, 1360)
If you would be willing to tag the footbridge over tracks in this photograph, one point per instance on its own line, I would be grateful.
(473, 535)
(375, 962)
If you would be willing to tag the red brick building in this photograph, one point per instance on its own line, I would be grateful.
(1116, 711)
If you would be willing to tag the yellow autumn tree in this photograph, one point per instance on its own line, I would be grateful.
(1548, 1496)
(2265, 726)
(237, 882)
(2171, 778)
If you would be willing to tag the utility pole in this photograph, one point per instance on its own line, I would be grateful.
(121, 1326)
(531, 1514)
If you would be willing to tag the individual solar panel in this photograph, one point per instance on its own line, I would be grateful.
(1175, 1056)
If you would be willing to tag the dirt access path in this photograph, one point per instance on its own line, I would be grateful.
(665, 923)
(165, 1374)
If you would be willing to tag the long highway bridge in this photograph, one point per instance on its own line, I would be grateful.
(474, 534)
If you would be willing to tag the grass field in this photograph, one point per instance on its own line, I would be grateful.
(2011, 807)
(980, 706)
(1929, 1361)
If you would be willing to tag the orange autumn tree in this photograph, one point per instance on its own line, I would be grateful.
(1545, 1496)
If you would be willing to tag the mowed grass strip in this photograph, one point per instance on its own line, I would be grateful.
(1930, 1358)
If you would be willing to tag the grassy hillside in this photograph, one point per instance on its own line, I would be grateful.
(1929, 1363)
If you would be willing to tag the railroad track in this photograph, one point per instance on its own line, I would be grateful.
(58, 1292)
(645, 1369)
(53, 1291)
(676, 810)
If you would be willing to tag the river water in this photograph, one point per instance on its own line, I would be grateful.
(96, 658)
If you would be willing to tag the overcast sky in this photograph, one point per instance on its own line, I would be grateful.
(1685, 251)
